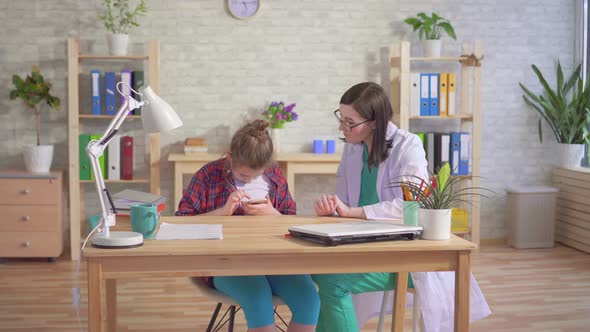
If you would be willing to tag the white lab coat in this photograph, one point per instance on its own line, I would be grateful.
(435, 289)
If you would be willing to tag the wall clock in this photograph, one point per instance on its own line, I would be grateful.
(243, 9)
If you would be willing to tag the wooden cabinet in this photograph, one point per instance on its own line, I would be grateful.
(79, 116)
(468, 115)
(33, 223)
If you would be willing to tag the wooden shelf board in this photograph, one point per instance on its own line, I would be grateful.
(119, 181)
(468, 176)
(92, 116)
(464, 232)
(444, 117)
(444, 58)
(112, 57)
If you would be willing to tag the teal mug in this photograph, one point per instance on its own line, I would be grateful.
(144, 219)
(410, 211)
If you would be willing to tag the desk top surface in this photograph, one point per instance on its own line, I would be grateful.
(280, 157)
(243, 235)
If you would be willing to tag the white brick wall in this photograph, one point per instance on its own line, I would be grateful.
(217, 70)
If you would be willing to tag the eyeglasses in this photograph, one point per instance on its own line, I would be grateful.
(344, 124)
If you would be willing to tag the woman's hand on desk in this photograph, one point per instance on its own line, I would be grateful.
(325, 205)
(233, 201)
(260, 209)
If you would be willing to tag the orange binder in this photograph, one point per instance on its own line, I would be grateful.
(452, 94)
(443, 93)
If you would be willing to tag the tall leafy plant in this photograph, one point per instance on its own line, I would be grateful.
(431, 27)
(565, 108)
(119, 17)
(34, 91)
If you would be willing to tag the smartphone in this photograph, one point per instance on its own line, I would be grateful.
(257, 201)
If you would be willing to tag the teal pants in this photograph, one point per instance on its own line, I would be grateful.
(335, 290)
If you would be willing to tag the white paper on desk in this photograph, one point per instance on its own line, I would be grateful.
(189, 232)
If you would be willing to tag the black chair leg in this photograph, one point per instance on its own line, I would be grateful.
(214, 317)
(232, 315)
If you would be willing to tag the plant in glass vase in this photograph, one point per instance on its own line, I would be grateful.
(34, 91)
(277, 114)
(435, 199)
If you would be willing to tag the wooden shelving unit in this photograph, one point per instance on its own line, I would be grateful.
(151, 65)
(469, 114)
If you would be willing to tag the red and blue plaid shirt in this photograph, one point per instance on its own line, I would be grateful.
(211, 186)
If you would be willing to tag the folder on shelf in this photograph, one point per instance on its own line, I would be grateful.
(465, 145)
(95, 76)
(434, 79)
(102, 159)
(127, 158)
(137, 79)
(110, 96)
(424, 95)
(430, 151)
(114, 158)
(414, 94)
(452, 94)
(442, 94)
(455, 152)
(83, 141)
(125, 78)
(441, 150)
(459, 220)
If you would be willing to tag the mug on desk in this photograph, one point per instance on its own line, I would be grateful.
(144, 219)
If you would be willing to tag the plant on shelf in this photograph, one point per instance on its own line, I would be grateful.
(566, 109)
(34, 91)
(430, 29)
(435, 199)
(277, 114)
(118, 20)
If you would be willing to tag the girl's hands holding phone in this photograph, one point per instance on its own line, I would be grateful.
(233, 201)
(259, 207)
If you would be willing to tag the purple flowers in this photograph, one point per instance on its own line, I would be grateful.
(277, 114)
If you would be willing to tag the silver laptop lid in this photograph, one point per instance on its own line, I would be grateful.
(355, 228)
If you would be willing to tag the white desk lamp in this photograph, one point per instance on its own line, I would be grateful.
(156, 116)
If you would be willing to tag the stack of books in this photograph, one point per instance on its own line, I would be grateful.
(124, 199)
(195, 145)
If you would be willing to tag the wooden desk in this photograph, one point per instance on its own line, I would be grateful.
(290, 163)
(257, 246)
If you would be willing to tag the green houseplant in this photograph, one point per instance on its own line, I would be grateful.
(430, 29)
(34, 91)
(118, 20)
(277, 114)
(435, 200)
(566, 108)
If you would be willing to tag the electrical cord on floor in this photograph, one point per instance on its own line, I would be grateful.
(76, 296)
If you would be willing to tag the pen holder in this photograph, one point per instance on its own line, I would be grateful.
(318, 146)
(410, 212)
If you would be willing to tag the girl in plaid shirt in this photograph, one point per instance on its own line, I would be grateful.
(222, 188)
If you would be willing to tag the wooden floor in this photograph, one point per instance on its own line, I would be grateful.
(528, 290)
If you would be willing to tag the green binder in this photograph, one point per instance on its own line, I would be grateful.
(102, 159)
(137, 82)
(84, 161)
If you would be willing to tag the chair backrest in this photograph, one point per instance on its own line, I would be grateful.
(220, 297)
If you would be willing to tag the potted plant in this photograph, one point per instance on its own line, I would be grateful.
(118, 20)
(567, 111)
(277, 114)
(435, 200)
(430, 30)
(34, 91)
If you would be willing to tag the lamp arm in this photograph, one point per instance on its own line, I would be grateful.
(95, 150)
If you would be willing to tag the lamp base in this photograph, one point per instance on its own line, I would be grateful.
(118, 240)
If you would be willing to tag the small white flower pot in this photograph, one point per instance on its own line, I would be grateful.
(38, 158)
(432, 48)
(436, 224)
(118, 43)
(570, 155)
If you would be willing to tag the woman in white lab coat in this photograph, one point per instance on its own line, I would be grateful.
(376, 154)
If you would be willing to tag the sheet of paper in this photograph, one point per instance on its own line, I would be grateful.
(189, 232)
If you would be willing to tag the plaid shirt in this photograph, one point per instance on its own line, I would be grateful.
(211, 186)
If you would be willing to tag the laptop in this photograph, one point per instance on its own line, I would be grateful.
(355, 232)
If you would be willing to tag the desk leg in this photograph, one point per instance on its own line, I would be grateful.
(112, 305)
(462, 283)
(177, 185)
(94, 296)
(399, 302)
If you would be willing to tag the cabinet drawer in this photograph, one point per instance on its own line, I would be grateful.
(30, 244)
(30, 218)
(29, 191)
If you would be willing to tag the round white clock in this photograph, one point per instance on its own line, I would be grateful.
(243, 9)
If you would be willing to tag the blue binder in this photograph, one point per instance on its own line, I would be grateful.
(424, 94)
(110, 98)
(434, 82)
(95, 77)
(455, 153)
(464, 144)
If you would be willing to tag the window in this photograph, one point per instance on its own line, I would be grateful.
(581, 51)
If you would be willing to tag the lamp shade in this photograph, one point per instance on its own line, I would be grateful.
(157, 115)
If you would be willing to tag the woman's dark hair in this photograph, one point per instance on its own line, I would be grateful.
(251, 146)
(370, 101)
